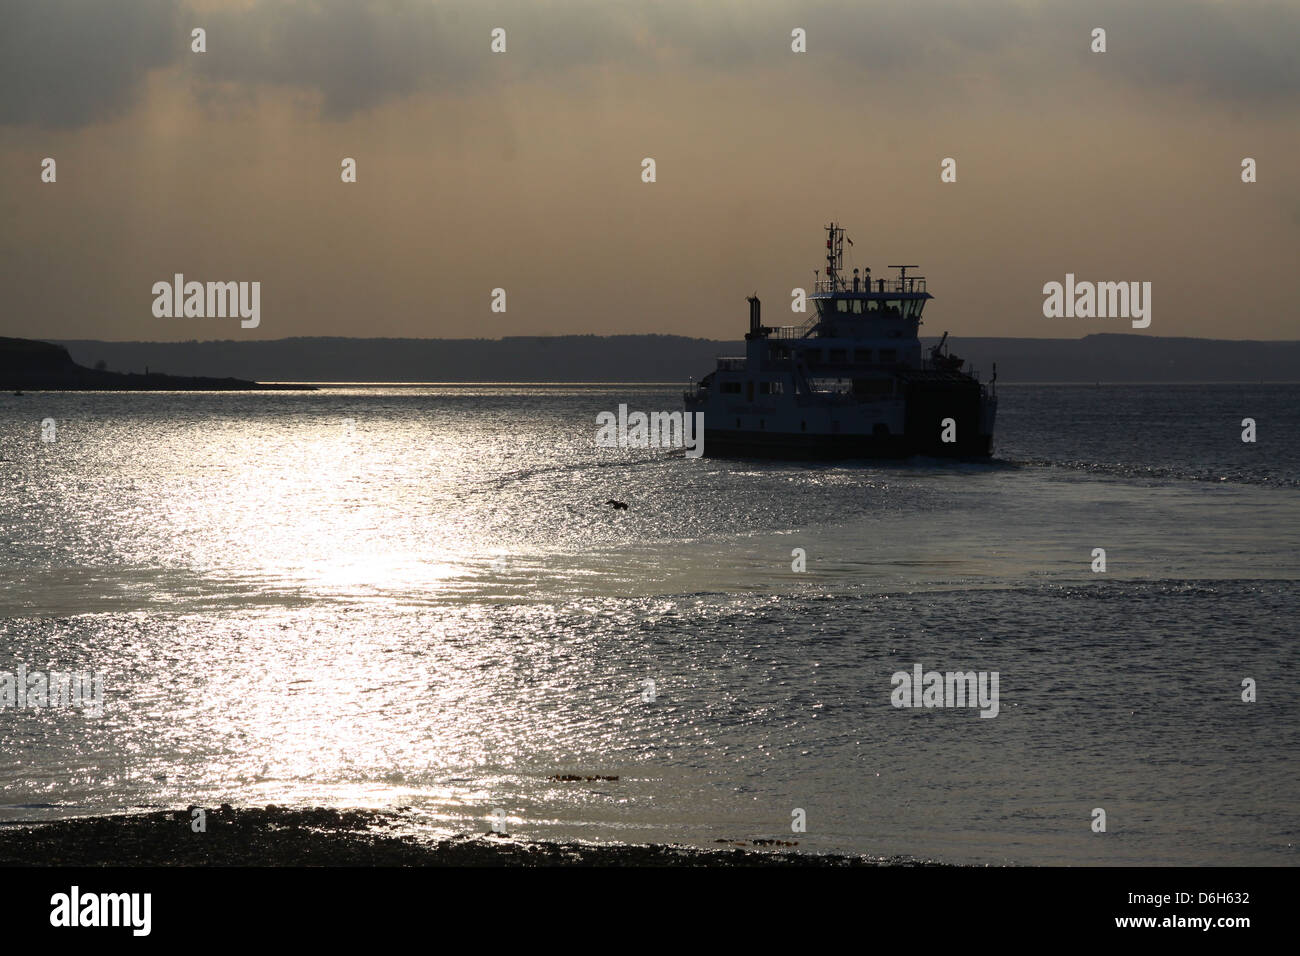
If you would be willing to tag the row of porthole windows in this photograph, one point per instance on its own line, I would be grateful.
(837, 356)
(774, 387)
(803, 426)
(879, 430)
(762, 425)
(834, 356)
(842, 355)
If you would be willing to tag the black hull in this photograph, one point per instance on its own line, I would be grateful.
(735, 443)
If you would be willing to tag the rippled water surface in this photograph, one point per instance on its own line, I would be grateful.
(416, 597)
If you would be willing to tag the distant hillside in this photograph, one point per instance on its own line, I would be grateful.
(1109, 357)
(1120, 357)
(26, 363)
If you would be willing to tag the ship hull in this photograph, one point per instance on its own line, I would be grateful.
(938, 415)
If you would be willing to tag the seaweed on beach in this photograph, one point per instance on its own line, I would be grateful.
(278, 836)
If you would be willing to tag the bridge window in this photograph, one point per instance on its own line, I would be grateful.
(857, 306)
(889, 355)
(862, 355)
(841, 305)
(730, 388)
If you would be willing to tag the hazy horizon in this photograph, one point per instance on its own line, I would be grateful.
(925, 336)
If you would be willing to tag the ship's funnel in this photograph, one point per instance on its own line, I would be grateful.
(755, 321)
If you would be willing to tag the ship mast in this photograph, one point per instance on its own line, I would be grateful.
(834, 255)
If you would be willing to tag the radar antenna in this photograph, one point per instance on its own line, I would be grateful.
(903, 285)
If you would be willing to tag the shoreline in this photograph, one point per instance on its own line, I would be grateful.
(29, 365)
(277, 836)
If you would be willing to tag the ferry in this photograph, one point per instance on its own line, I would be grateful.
(851, 382)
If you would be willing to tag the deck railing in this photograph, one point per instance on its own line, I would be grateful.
(909, 284)
(795, 331)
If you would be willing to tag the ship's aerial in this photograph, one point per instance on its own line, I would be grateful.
(851, 382)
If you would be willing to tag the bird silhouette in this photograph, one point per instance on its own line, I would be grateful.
(618, 505)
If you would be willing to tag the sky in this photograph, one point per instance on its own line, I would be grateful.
(523, 170)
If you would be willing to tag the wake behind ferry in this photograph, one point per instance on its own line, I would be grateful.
(851, 382)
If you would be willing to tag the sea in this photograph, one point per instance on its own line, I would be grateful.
(417, 599)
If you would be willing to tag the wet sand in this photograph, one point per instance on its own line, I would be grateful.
(275, 836)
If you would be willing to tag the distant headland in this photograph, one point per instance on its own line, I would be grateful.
(1100, 357)
(27, 363)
